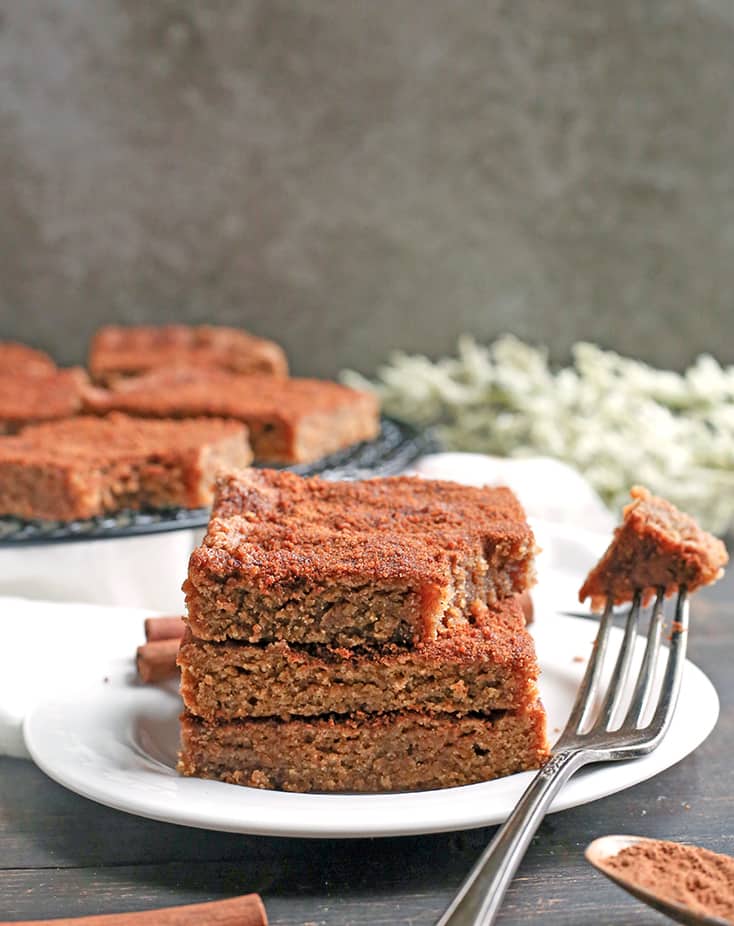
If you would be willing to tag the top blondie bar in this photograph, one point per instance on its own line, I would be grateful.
(117, 352)
(401, 560)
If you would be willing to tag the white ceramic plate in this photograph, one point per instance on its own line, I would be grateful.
(115, 742)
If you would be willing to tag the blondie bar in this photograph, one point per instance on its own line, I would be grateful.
(84, 467)
(490, 667)
(401, 751)
(289, 420)
(19, 359)
(41, 396)
(117, 352)
(396, 560)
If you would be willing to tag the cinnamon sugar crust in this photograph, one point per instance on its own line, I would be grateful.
(350, 563)
(289, 420)
(83, 467)
(490, 667)
(117, 352)
(656, 546)
(401, 751)
(29, 398)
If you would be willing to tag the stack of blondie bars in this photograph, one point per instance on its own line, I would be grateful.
(361, 636)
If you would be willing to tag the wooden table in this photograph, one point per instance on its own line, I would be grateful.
(62, 855)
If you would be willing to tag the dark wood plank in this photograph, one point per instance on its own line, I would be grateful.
(561, 890)
(336, 899)
(63, 855)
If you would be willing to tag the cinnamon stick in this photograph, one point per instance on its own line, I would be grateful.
(247, 910)
(526, 603)
(164, 628)
(156, 660)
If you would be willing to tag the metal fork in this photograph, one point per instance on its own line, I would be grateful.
(589, 736)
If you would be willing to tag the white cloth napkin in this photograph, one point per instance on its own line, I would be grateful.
(48, 645)
(67, 609)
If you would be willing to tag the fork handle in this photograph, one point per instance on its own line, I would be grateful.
(480, 896)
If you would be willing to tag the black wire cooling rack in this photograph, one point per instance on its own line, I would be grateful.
(393, 450)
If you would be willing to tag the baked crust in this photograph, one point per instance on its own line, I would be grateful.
(289, 420)
(395, 560)
(83, 467)
(656, 546)
(117, 352)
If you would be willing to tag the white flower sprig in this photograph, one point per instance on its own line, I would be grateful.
(617, 420)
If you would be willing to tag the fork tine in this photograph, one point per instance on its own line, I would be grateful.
(646, 676)
(591, 680)
(670, 686)
(618, 681)
(481, 894)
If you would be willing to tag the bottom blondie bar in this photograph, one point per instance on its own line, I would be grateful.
(403, 751)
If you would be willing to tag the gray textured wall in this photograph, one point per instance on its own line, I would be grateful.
(348, 176)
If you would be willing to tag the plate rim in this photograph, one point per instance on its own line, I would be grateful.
(334, 825)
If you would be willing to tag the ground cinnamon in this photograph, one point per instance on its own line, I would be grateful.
(699, 879)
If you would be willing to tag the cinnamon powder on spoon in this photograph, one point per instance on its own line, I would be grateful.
(697, 878)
